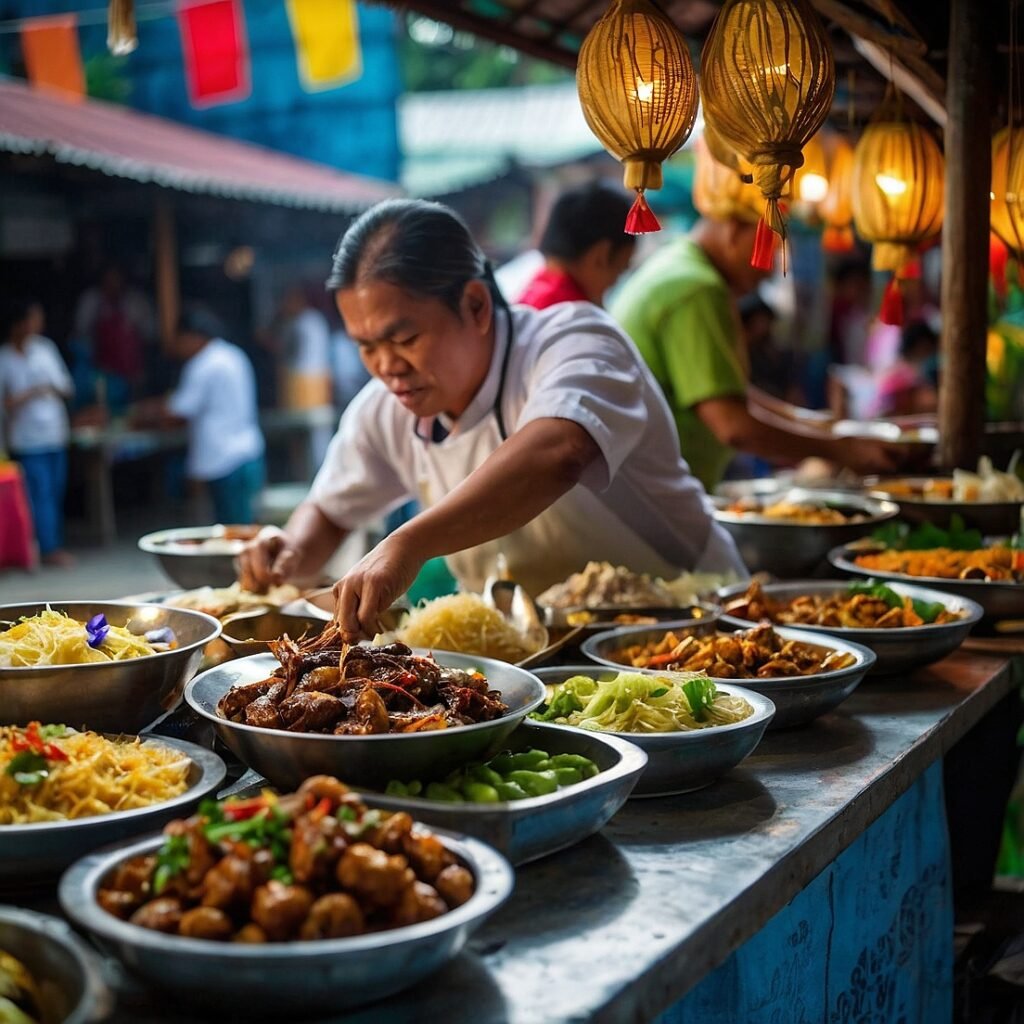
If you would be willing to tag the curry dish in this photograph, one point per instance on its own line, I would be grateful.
(798, 513)
(758, 653)
(943, 563)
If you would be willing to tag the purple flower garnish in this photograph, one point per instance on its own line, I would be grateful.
(164, 635)
(97, 629)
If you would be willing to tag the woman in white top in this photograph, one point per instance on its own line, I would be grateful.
(537, 434)
(34, 384)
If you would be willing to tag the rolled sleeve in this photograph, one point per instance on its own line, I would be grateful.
(187, 401)
(594, 380)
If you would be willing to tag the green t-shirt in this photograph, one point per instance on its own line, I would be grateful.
(678, 311)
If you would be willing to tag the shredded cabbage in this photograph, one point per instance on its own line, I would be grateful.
(53, 638)
(633, 702)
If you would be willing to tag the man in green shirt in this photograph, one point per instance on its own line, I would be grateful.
(680, 310)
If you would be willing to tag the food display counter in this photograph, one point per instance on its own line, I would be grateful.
(811, 879)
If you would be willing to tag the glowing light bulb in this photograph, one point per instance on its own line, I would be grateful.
(644, 90)
(891, 185)
(813, 188)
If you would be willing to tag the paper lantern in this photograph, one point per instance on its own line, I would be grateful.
(719, 193)
(768, 81)
(810, 182)
(898, 181)
(639, 95)
(122, 37)
(722, 153)
(1007, 212)
(837, 209)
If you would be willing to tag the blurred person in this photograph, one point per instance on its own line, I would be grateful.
(349, 374)
(772, 368)
(584, 246)
(910, 385)
(34, 386)
(216, 400)
(851, 313)
(117, 323)
(680, 308)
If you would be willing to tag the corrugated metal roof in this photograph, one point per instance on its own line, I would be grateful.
(125, 143)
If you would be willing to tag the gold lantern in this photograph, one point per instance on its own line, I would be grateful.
(768, 81)
(898, 181)
(837, 209)
(1008, 187)
(721, 152)
(719, 193)
(122, 37)
(638, 91)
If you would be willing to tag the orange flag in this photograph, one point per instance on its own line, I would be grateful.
(53, 59)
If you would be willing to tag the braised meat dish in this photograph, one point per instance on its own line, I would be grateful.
(316, 864)
(325, 686)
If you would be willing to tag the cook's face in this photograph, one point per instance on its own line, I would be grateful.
(432, 359)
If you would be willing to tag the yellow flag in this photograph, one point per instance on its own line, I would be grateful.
(326, 42)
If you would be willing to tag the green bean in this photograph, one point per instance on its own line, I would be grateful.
(535, 783)
(415, 787)
(396, 788)
(439, 791)
(483, 773)
(568, 776)
(480, 793)
(527, 761)
(511, 791)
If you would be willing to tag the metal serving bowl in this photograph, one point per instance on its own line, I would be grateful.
(109, 696)
(797, 699)
(69, 976)
(790, 549)
(998, 599)
(524, 830)
(286, 978)
(897, 650)
(992, 518)
(696, 616)
(43, 849)
(287, 758)
(196, 568)
(248, 633)
(680, 762)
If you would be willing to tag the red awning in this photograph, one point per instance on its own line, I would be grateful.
(128, 144)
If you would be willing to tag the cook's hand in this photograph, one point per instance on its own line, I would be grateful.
(869, 455)
(373, 585)
(267, 560)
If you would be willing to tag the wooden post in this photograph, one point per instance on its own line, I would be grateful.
(165, 267)
(965, 236)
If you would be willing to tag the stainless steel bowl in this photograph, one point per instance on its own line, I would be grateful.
(109, 696)
(69, 976)
(998, 600)
(789, 550)
(992, 518)
(287, 978)
(248, 633)
(524, 830)
(43, 849)
(192, 569)
(696, 616)
(681, 762)
(797, 699)
(287, 758)
(897, 650)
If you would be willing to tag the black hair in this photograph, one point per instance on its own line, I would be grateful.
(751, 304)
(199, 320)
(584, 216)
(419, 246)
(851, 267)
(14, 310)
(915, 334)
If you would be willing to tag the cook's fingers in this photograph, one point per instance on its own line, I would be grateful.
(346, 605)
(283, 564)
(369, 607)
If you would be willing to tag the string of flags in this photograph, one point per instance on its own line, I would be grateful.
(215, 48)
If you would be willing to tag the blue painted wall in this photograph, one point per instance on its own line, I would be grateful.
(353, 127)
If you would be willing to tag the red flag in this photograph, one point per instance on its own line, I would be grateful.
(216, 51)
(53, 59)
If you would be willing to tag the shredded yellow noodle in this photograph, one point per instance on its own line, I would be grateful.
(53, 638)
(463, 623)
(100, 776)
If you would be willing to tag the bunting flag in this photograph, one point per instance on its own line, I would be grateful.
(326, 34)
(53, 60)
(216, 51)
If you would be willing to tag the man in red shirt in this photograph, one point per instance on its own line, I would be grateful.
(584, 247)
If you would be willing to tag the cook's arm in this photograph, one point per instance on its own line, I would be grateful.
(523, 477)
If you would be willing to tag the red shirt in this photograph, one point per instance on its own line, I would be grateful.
(549, 287)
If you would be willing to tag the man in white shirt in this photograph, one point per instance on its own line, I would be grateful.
(34, 385)
(537, 434)
(216, 398)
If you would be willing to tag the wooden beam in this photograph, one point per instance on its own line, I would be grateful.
(926, 96)
(865, 28)
(165, 267)
(965, 237)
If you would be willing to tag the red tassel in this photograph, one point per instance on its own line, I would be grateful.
(763, 256)
(837, 239)
(641, 219)
(892, 305)
(998, 258)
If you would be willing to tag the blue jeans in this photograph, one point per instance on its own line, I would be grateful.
(234, 496)
(46, 475)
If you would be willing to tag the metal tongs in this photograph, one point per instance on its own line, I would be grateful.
(515, 604)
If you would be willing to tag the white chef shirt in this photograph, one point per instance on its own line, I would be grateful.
(41, 423)
(217, 395)
(570, 361)
(307, 346)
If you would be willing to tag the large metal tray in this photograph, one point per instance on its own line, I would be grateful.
(526, 830)
(30, 853)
